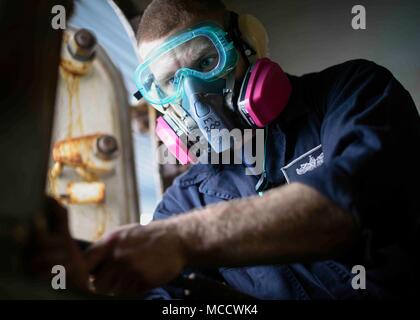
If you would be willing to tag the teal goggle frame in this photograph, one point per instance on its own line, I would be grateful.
(228, 59)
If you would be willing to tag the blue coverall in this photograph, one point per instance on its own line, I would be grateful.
(352, 132)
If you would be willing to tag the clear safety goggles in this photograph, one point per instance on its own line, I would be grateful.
(204, 52)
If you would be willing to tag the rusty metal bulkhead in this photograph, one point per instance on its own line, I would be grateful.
(91, 167)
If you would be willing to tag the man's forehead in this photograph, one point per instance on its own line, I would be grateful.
(145, 47)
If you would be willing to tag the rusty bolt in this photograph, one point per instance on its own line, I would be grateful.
(107, 146)
(85, 39)
(82, 45)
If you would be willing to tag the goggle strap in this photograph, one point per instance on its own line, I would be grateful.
(138, 95)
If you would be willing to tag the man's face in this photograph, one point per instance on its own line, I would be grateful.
(198, 54)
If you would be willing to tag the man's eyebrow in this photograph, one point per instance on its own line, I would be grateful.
(203, 48)
(196, 54)
(164, 73)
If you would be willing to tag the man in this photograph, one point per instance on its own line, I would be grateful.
(337, 185)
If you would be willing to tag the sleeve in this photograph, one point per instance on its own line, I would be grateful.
(369, 135)
(167, 207)
(178, 199)
(181, 197)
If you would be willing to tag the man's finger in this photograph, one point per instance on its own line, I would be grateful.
(129, 288)
(57, 217)
(97, 253)
(106, 280)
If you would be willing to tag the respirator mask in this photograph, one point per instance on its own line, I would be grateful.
(190, 79)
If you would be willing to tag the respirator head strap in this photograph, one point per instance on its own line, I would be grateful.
(229, 91)
(234, 32)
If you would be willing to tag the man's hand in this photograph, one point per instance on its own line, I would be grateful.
(136, 258)
(288, 224)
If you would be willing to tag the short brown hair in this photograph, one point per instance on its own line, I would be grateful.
(163, 16)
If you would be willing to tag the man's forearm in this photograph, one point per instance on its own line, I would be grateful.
(287, 224)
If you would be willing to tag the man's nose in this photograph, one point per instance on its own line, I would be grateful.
(194, 85)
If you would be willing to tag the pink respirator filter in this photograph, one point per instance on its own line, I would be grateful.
(174, 143)
(267, 93)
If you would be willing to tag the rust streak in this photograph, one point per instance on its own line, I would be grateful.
(72, 82)
(52, 184)
(100, 230)
(79, 120)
